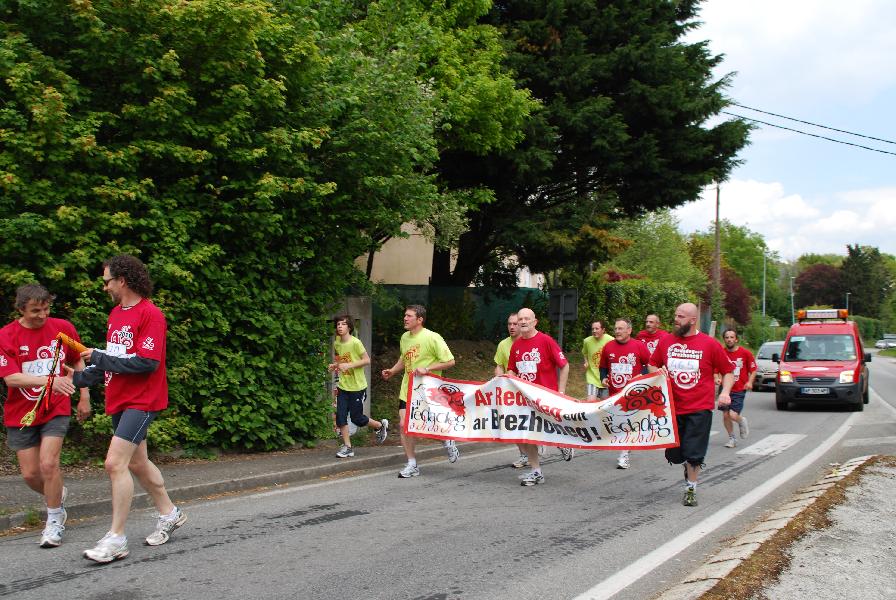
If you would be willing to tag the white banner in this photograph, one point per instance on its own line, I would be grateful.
(509, 409)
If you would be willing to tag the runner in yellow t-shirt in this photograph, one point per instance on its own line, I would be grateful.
(422, 352)
(351, 389)
(591, 351)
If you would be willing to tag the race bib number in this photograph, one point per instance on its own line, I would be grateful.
(526, 366)
(684, 365)
(116, 349)
(621, 368)
(40, 367)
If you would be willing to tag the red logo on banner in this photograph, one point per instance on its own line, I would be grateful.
(448, 395)
(643, 397)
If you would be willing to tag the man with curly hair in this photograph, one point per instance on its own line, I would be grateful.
(133, 369)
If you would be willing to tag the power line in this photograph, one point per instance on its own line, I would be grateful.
(807, 133)
(876, 139)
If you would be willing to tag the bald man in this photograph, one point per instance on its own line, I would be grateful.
(691, 358)
(535, 357)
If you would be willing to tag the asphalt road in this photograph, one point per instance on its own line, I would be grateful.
(470, 530)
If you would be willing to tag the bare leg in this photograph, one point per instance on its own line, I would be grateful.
(693, 472)
(531, 451)
(117, 459)
(29, 466)
(51, 474)
(729, 425)
(346, 438)
(151, 479)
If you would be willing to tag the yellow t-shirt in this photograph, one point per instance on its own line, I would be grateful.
(352, 380)
(502, 353)
(421, 350)
(591, 350)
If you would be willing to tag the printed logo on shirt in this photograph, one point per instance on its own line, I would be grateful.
(3, 361)
(409, 357)
(148, 344)
(24, 350)
(738, 364)
(651, 346)
(40, 367)
(683, 365)
(123, 337)
(527, 366)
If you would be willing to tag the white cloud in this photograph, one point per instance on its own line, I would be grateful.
(792, 225)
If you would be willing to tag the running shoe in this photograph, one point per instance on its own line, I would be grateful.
(345, 452)
(165, 526)
(52, 534)
(108, 549)
(731, 442)
(383, 432)
(690, 497)
(452, 451)
(409, 471)
(567, 453)
(744, 427)
(521, 462)
(533, 478)
(623, 462)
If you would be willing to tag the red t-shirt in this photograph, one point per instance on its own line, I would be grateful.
(30, 351)
(537, 359)
(691, 362)
(139, 331)
(651, 339)
(623, 361)
(743, 362)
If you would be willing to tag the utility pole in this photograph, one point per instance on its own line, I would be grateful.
(792, 311)
(763, 282)
(717, 264)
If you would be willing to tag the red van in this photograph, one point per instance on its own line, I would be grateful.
(822, 362)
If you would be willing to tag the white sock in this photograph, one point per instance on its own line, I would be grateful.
(54, 512)
(412, 462)
(538, 471)
(692, 485)
(171, 516)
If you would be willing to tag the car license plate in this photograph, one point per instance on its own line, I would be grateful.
(815, 390)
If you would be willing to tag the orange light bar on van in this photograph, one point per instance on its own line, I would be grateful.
(821, 313)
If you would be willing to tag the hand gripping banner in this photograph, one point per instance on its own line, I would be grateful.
(509, 409)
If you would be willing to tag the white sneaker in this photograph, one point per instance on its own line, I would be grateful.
(52, 534)
(452, 451)
(521, 462)
(108, 549)
(532, 478)
(383, 432)
(744, 427)
(409, 471)
(567, 453)
(732, 443)
(345, 452)
(623, 462)
(165, 527)
(542, 451)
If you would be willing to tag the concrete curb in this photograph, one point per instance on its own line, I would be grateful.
(278, 478)
(726, 560)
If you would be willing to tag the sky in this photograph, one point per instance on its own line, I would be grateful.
(821, 61)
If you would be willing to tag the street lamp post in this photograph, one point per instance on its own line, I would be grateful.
(847, 302)
(792, 311)
(763, 283)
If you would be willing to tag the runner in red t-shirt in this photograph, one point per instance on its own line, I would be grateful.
(535, 357)
(651, 334)
(133, 368)
(27, 347)
(622, 359)
(744, 370)
(691, 358)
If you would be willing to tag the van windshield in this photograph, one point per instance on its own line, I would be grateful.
(820, 347)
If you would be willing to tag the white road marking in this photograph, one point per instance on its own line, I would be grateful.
(882, 402)
(610, 586)
(772, 445)
(870, 441)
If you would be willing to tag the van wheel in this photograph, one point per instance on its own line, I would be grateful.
(780, 404)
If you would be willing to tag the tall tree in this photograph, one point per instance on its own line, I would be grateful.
(623, 127)
(659, 251)
(867, 279)
(819, 284)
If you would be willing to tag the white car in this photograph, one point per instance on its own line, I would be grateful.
(766, 370)
(880, 344)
